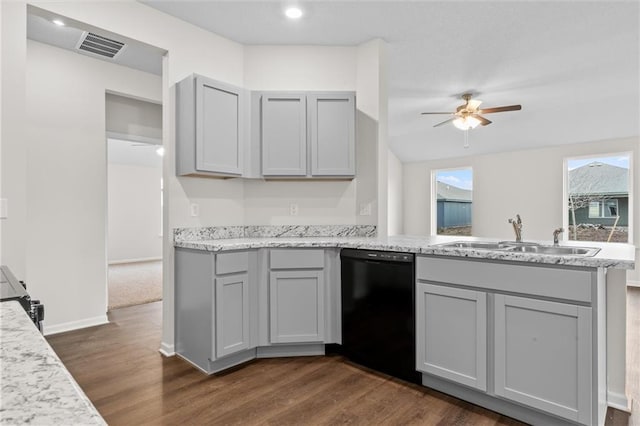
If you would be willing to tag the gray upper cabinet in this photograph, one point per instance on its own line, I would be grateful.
(284, 134)
(310, 134)
(209, 127)
(331, 119)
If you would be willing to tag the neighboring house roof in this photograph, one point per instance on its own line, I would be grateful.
(599, 178)
(448, 192)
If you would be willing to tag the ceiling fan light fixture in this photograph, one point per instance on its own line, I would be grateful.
(466, 123)
(293, 12)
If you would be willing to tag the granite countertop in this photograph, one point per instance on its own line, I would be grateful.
(36, 388)
(611, 255)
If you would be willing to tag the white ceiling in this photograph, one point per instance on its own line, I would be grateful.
(573, 65)
(135, 54)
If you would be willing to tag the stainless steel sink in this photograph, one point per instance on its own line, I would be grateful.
(556, 250)
(476, 245)
(524, 248)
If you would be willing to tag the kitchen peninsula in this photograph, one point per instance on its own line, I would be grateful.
(36, 386)
(518, 332)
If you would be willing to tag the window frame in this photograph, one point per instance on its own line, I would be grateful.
(565, 191)
(433, 226)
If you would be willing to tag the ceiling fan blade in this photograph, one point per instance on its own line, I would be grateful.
(445, 122)
(500, 109)
(483, 121)
(423, 113)
(473, 104)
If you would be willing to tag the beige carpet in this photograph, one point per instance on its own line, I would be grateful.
(134, 283)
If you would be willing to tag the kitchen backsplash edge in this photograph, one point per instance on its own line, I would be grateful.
(272, 231)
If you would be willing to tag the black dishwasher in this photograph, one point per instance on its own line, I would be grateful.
(378, 305)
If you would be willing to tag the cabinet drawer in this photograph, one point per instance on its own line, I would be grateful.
(569, 284)
(229, 263)
(296, 259)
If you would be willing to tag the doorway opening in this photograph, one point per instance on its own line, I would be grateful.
(134, 201)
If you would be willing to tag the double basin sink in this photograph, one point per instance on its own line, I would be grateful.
(533, 248)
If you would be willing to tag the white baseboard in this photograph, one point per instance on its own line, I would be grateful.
(619, 401)
(167, 349)
(142, 259)
(631, 283)
(74, 325)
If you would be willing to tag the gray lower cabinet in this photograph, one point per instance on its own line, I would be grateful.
(543, 355)
(451, 334)
(308, 134)
(296, 306)
(296, 295)
(210, 126)
(516, 338)
(232, 314)
(213, 294)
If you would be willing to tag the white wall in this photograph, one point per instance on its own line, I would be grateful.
(529, 182)
(395, 197)
(299, 68)
(191, 49)
(67, 179)
(134, 228)
(371, 127)
(13, 167)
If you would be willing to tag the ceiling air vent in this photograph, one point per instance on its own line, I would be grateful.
(99, 45)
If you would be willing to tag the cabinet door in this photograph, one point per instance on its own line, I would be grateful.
(296, 303)
(232, 314)
(543, 355)
(284, 135)
(332, 131)
(451, 334)
(219, 127)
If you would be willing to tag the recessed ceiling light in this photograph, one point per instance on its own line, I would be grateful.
(58, 22)
(293, 12)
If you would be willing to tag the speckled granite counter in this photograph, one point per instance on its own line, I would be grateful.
(36, 388)
(611, 255)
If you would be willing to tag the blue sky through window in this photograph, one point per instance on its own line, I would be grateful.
(615, 160)
(462, 178)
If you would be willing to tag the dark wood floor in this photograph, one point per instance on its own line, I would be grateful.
(129, 382)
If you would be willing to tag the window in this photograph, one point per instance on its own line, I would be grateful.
(452, 199)
(598, 198)
(602, 208)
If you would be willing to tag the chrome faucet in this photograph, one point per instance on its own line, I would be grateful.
(517, 228)
(555, 235)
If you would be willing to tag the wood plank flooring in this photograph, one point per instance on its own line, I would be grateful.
(129, 382)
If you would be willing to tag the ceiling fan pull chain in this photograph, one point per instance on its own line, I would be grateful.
(466, 139)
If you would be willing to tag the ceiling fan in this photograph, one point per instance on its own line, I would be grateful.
(467, 116)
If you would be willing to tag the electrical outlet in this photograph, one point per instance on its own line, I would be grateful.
(293, 210)
(194, 209)
(365, 209)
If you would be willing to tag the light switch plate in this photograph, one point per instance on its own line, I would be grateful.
(194, 209)
(4, 208)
